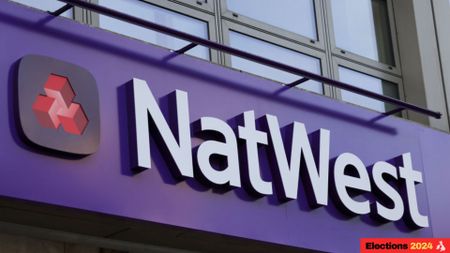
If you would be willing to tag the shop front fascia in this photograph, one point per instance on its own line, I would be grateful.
(187, 145)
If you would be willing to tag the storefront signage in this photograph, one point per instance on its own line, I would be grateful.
(147, 112)
(212, 149)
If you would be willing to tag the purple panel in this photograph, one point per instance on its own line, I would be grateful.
(435, 147)
(101, 182)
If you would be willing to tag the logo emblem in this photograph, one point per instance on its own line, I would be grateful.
(58, 105)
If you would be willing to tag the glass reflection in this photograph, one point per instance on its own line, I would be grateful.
(296, 16)
(277, 53)
(362, 27)
(368, 83)
(46, 5)
(158, 15)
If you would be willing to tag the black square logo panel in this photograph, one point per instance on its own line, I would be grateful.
(58, 105)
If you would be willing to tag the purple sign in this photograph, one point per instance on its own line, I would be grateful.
(166, 191)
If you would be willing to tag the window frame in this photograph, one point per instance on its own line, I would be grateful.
(319, 54)
(82, 15)
(74, 10)
(344, 54)
(221, 21)
(202, 5)
(338, 62)
(318, 43)
(173, 6)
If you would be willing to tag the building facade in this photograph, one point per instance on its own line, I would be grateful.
(394, 48)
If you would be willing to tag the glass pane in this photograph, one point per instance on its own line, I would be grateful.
(368, 83)
(362, 27)
(293, 15)
(276, 53)
(160, 16)
(46, 5)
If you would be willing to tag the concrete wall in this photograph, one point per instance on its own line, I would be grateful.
(420, 60)
(441, 10)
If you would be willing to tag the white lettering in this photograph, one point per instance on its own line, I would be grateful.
(301, 148)
(343, 181)
(395, 213)
(252, 138)
(350, 172)
(228, 149)
(145, 105)
(412, 177)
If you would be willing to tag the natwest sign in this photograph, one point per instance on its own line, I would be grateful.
(348, 173)
(299, 160)
(256, 158)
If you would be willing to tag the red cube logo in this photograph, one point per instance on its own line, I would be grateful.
(58, 105)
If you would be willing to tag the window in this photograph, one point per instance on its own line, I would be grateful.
(370, 83)
(359, 33)
(46, 5)
(362, 27)
(297, 16)
(349, 40)
(277, 53)
(158, 15)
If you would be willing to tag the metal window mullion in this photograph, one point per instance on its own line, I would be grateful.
(200, 5)
(219, 30)
(328, 55)
(320, 24)
(393, 30)
(322, 30)
(89, 17)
